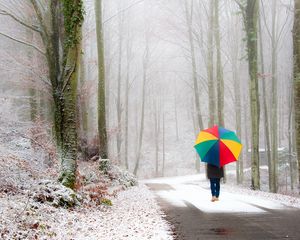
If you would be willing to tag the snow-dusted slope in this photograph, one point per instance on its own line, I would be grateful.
(134, 216)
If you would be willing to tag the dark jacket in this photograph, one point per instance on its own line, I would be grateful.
(214, 171)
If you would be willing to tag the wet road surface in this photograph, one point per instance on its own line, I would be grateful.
(190, 222)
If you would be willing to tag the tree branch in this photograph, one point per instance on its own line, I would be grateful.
(5, 13)
(122, 10)
(22, 42)
(265, 21)
(243, 9)
(281, 30)
(44, 32)
(240, 5)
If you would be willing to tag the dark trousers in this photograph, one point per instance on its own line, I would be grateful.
(215, 186)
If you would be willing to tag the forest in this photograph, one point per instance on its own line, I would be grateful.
(97, 95)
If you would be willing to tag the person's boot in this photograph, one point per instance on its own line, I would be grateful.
(213, 199)
(216, 198)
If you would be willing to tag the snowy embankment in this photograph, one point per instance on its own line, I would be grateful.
(133, 215)
(31, 206)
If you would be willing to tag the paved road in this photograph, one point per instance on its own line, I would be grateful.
(193, 216)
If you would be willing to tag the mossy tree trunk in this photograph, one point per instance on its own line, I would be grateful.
(103, 151)
(296, 54)
(64, 27)
(72, 19)
(68, 120)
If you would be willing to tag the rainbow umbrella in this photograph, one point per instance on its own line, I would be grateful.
(218, 146)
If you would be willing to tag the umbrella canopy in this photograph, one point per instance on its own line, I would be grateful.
(218, 146)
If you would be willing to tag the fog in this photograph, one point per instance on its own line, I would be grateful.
(151, 66)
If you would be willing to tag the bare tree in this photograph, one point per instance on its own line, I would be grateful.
(250, 16)
(101, 82)
(59, 31)
(296, 40)
(189, 22)
(210, 57)
(156, 133)
(163, 144)
(142, 122)
(290, 136)
(127, 91)
(219, 67)
(119, 82)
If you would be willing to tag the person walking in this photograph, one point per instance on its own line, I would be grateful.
(214, 174)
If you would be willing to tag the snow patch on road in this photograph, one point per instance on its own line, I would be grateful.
(172, 197)
(194, 189)
(176, 180)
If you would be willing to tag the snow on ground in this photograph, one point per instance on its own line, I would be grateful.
(134, 215)
(194, 189)
(285, 200)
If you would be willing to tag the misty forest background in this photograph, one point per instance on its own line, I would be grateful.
(146, 76)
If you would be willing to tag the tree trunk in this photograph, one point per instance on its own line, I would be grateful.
(175, 111)
(251, 16)
(196, 132)
(274, 108)
(163, 145)
(211, 85)
(127, 102)
(246, 129)
(32, 90)
(238, 111)
(33, 104)
(82, 105)
(156, 133)
(126, 118)
(265, 108)
(68, 90)
(119, 107)
(101, 82)
(220, 80)
(189, 20)
(65, 19)
(68, 123)
(290, 129)
(140, 139)
(296, 55)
